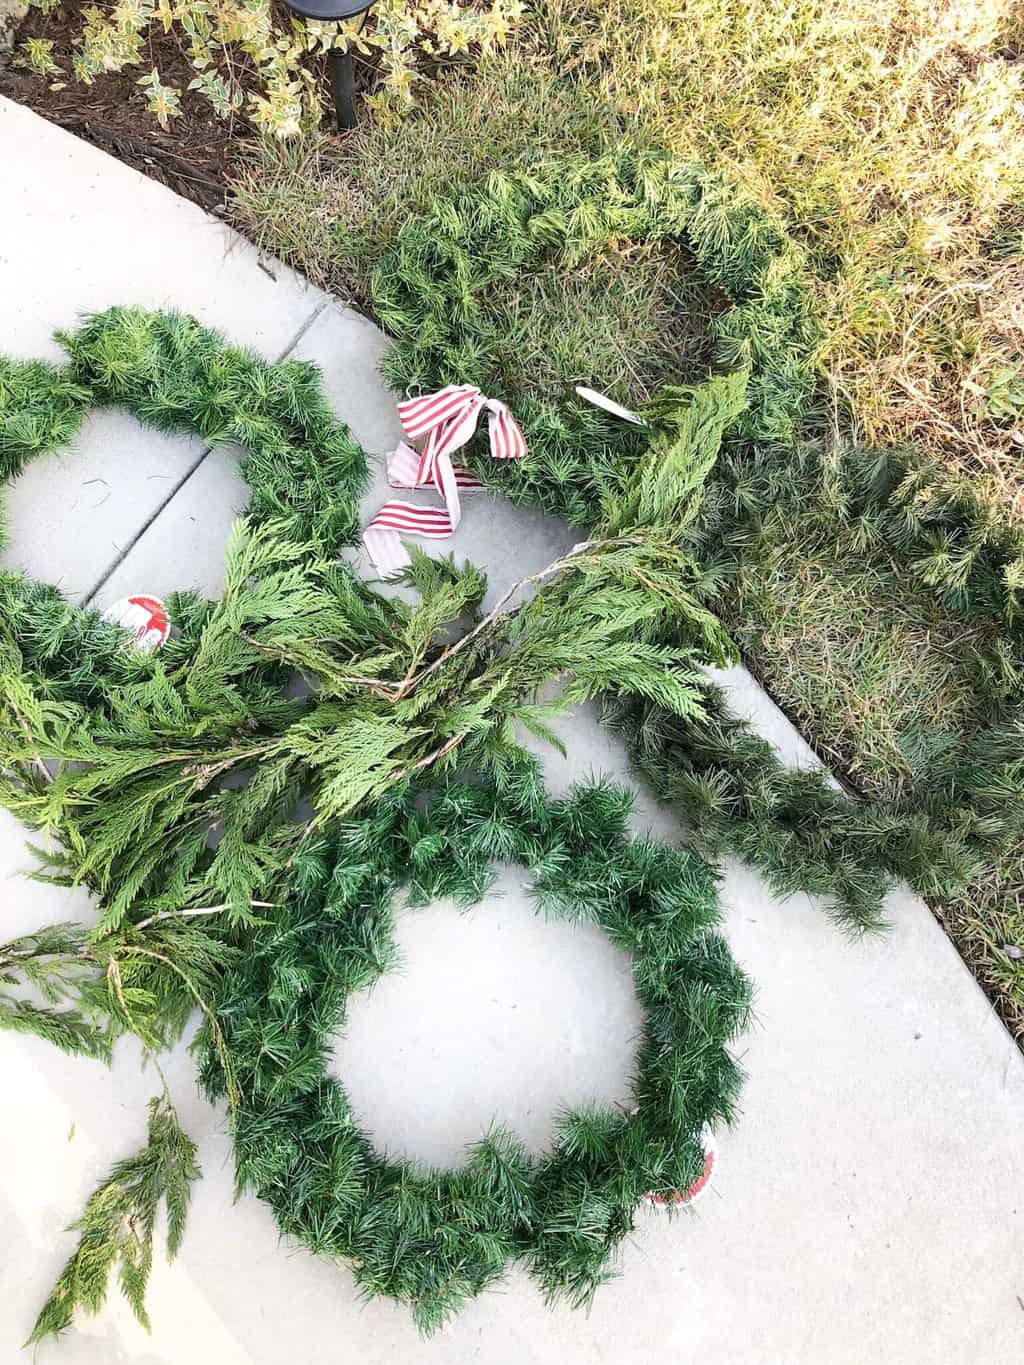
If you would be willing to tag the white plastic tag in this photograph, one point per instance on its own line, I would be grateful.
(601, 400)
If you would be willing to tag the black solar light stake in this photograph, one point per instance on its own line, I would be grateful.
(343, 84)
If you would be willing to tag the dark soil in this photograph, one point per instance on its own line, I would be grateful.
(193, 156)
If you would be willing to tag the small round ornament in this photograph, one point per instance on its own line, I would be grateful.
(144, 617)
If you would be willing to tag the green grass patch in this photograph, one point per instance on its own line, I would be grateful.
(875, 672)
(628, 319)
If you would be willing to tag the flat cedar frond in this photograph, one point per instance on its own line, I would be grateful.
(118, 1223)
(66, 1029)
(666, 488)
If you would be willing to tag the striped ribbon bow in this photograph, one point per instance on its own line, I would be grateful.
(448, 419)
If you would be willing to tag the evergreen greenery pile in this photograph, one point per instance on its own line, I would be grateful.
(436, 294)
(171, 785)
(119, 1222)
(435, 1238)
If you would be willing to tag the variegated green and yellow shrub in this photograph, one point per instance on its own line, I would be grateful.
(247, 58)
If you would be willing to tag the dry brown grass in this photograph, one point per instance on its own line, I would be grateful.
(987, 925)
(873, 672)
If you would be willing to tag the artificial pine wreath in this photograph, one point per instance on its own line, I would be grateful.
(433, 1238)
(301, 465)
(433, 295)
(304, 471)
(130, 761)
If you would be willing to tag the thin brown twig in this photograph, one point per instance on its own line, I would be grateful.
(381, 686)
(439, 753)
(304, 834)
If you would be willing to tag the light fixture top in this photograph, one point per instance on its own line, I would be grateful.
(328, 10)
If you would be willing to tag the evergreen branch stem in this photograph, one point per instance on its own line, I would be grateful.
(190, 912)
(230, 1081)
(571, 560)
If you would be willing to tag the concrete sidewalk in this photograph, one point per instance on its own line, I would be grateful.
(868, 1207)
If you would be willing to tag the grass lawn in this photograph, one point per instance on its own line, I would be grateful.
(986, 923)
(857, 660)
(877, 676)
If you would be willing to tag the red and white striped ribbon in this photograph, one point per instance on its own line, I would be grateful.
(448, 420)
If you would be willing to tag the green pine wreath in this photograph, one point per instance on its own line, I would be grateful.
(433, 1239)
(304, 471)
(434, 295)
(302, 466)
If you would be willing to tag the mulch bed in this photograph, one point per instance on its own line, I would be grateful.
(193, 156)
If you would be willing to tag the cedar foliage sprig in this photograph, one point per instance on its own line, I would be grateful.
(54, 965)
(139, 781)
(118, 1224)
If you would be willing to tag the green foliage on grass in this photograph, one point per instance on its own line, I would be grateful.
(888, 137)
(433, 293)
(850, 648)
